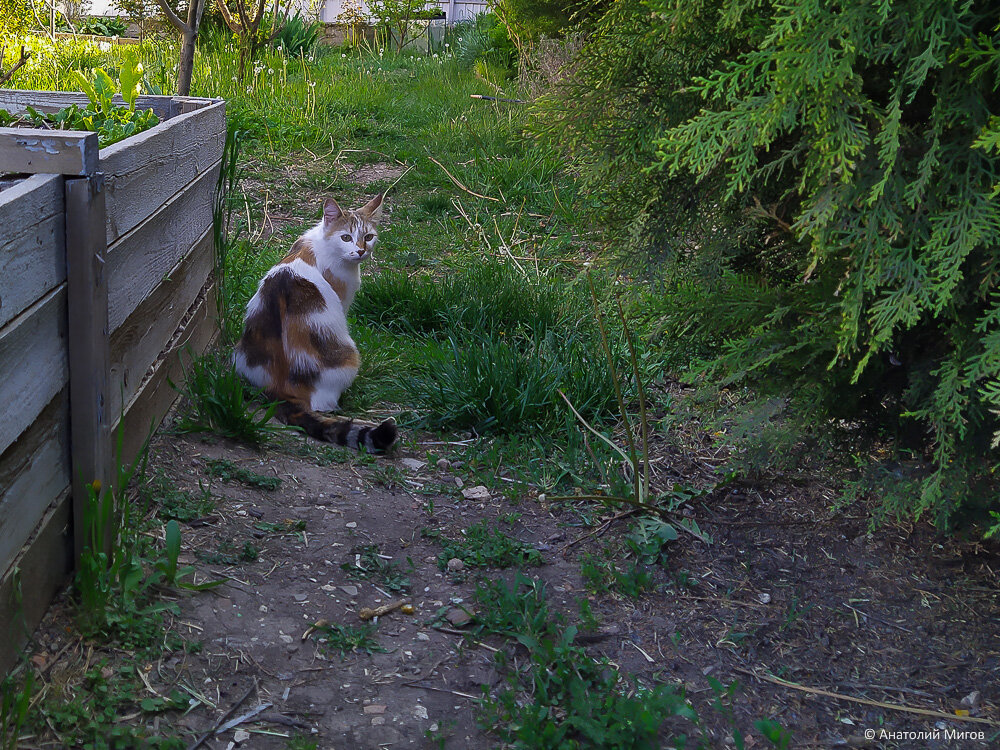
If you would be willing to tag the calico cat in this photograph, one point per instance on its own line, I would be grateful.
(295, 343)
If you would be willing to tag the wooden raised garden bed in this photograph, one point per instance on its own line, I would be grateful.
(107, 257)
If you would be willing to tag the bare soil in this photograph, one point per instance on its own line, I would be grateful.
(901, 616)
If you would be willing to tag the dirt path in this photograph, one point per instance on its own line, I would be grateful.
(897, 617)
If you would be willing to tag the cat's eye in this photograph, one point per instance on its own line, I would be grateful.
(369, 237)
(345, 237)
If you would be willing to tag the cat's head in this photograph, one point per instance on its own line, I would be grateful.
(352, 234)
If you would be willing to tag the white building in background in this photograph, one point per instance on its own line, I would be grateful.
(455, 11)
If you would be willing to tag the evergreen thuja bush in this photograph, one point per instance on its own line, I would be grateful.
(865, 135)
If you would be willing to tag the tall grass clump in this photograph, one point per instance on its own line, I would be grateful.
(501, 344)
(218, 401)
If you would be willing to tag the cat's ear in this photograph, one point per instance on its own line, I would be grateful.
(331, 212)
(372, 210)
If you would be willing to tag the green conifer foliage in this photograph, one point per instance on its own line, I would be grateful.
(876, 125)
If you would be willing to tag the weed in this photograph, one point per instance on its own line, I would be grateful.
(774, 733)
(634, 581)
(301, 742)
(796, 610)
(15, 699)
(228, 554)
(648, 538)
(289, 527)
(173, 503)
(596, 573)
(347, 639)
(218, 402)
(483, 547)
(565, 698)
(588, 620)
(369, 565)
(95, 722)
(227, 471)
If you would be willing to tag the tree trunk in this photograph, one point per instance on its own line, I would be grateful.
(185, 66)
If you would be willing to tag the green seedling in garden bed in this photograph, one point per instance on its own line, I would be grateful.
(111, 122)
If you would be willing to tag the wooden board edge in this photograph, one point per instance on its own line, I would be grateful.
(182, 285)
(42, 568)
(110, 153)
(155, 396)
(36, 151)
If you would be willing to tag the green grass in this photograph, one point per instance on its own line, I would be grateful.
(369, 566)
(347, 639)
(171, 502)
(483, 547)
(219, 401)
(562, 698)
(227, 471)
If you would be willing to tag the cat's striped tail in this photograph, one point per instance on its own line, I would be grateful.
(375, 438)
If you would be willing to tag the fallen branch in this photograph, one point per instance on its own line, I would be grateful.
(229, 712)
(244, 718)
(459, 184)
(867, 702)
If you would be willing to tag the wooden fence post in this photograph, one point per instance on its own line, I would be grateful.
(89, 340)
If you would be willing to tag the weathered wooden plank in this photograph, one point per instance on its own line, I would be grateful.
(88, 347)
(33, 363)
(48, 151)
(155, 397)
(139, 260)
(52, 101)
(32, 243)
(31, 583)
(34, 471)
(138, 341)
(144, 171)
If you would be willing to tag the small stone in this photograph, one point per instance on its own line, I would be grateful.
(413, 464)
(107, 673)
(263, 608)
(423, 637)
(459, 483)
(286, 638)
(351, 525)
(764, 598)
(458, 617)
(457, 464)
(350, 590)
(378, 721)
(433, 727)
(444, 464)
(420, 712)
(375, 708)
(456, 564)
(328, 587)
(479, 492)
(301, 597)
(971, 700)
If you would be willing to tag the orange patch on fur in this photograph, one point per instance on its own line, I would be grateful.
(338, 286)
(301, 249)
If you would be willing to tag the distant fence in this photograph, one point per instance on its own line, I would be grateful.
(107, 258)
